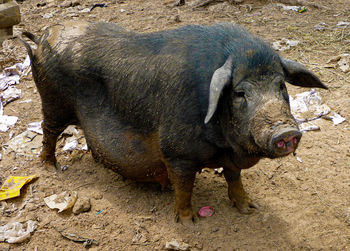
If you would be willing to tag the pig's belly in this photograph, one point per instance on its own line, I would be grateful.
(130, 154)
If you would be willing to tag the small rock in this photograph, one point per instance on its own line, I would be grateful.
(82, 205)
(214, 229)
(75, 3)
(97, 195)
(175, 245)
(177, 19)
(66, 4)
(347, 215)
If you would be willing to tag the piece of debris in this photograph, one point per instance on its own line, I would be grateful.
(299, 159)
(17, 232)
(299, 9)
(26, 144)
(62, 201)
(11, 75)
(284, 44)
(6, 122)
(140, 238)
(224, 7)
(76, 238)
(307, 107)
(342, 23)
(82, 205)
(175, 245)
(74, 139)
(9, 95)
(308, 104)
(320, 27)
(71, 144)
(36, 127)
(101, 5)
(8, 80)
(12, 186)
(219, 170)
(64, 168)
(70, 131)
(337, 119)
(202, 3)
(179, 3)
(206, 211)
(342, 61)
(47, 15)
(308, 126)
(177, 19)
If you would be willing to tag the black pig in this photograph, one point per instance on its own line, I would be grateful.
(160, 106)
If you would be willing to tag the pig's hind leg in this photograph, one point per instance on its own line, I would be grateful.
(56, 119)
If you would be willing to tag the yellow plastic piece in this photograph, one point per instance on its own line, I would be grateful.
(12, 186)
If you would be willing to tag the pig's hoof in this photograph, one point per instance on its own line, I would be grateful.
(187, 220)
(246, 207)
(49, 163)
(49, 166)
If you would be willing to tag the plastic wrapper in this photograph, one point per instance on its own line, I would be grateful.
(12, 186)
(16, 232)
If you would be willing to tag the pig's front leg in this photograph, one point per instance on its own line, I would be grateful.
(182, 181)
(236, 191)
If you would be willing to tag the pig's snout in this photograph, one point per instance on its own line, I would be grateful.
(285, 141)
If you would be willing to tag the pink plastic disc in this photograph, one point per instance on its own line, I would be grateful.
(206, 211)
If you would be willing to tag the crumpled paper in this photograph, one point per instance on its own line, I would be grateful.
(36, 127)
(12, 186)
(284, 44)
(15, 232)
(307, 107)
(6, 122)
(299, 9)
(11, 75)
(9, 95)
(62, 201)
(26, 144)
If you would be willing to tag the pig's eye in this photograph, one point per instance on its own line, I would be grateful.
(240, 100)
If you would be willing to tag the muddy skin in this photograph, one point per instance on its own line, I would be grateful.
(159, 107)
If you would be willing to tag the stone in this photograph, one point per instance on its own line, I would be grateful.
(9, 16)
(82, 205)
(175, 245)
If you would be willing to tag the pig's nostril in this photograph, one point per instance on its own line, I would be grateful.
(295, 140)
(280, 144)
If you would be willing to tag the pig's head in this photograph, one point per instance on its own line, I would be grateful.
(251, 103)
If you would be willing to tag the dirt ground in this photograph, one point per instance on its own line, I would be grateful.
(303, 205)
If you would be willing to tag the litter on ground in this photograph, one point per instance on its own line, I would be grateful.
(62, 201)
(17, 232)
(307, 107)
(12, 186)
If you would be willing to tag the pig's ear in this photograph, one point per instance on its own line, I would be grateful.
(297, 74)
(221, 77)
